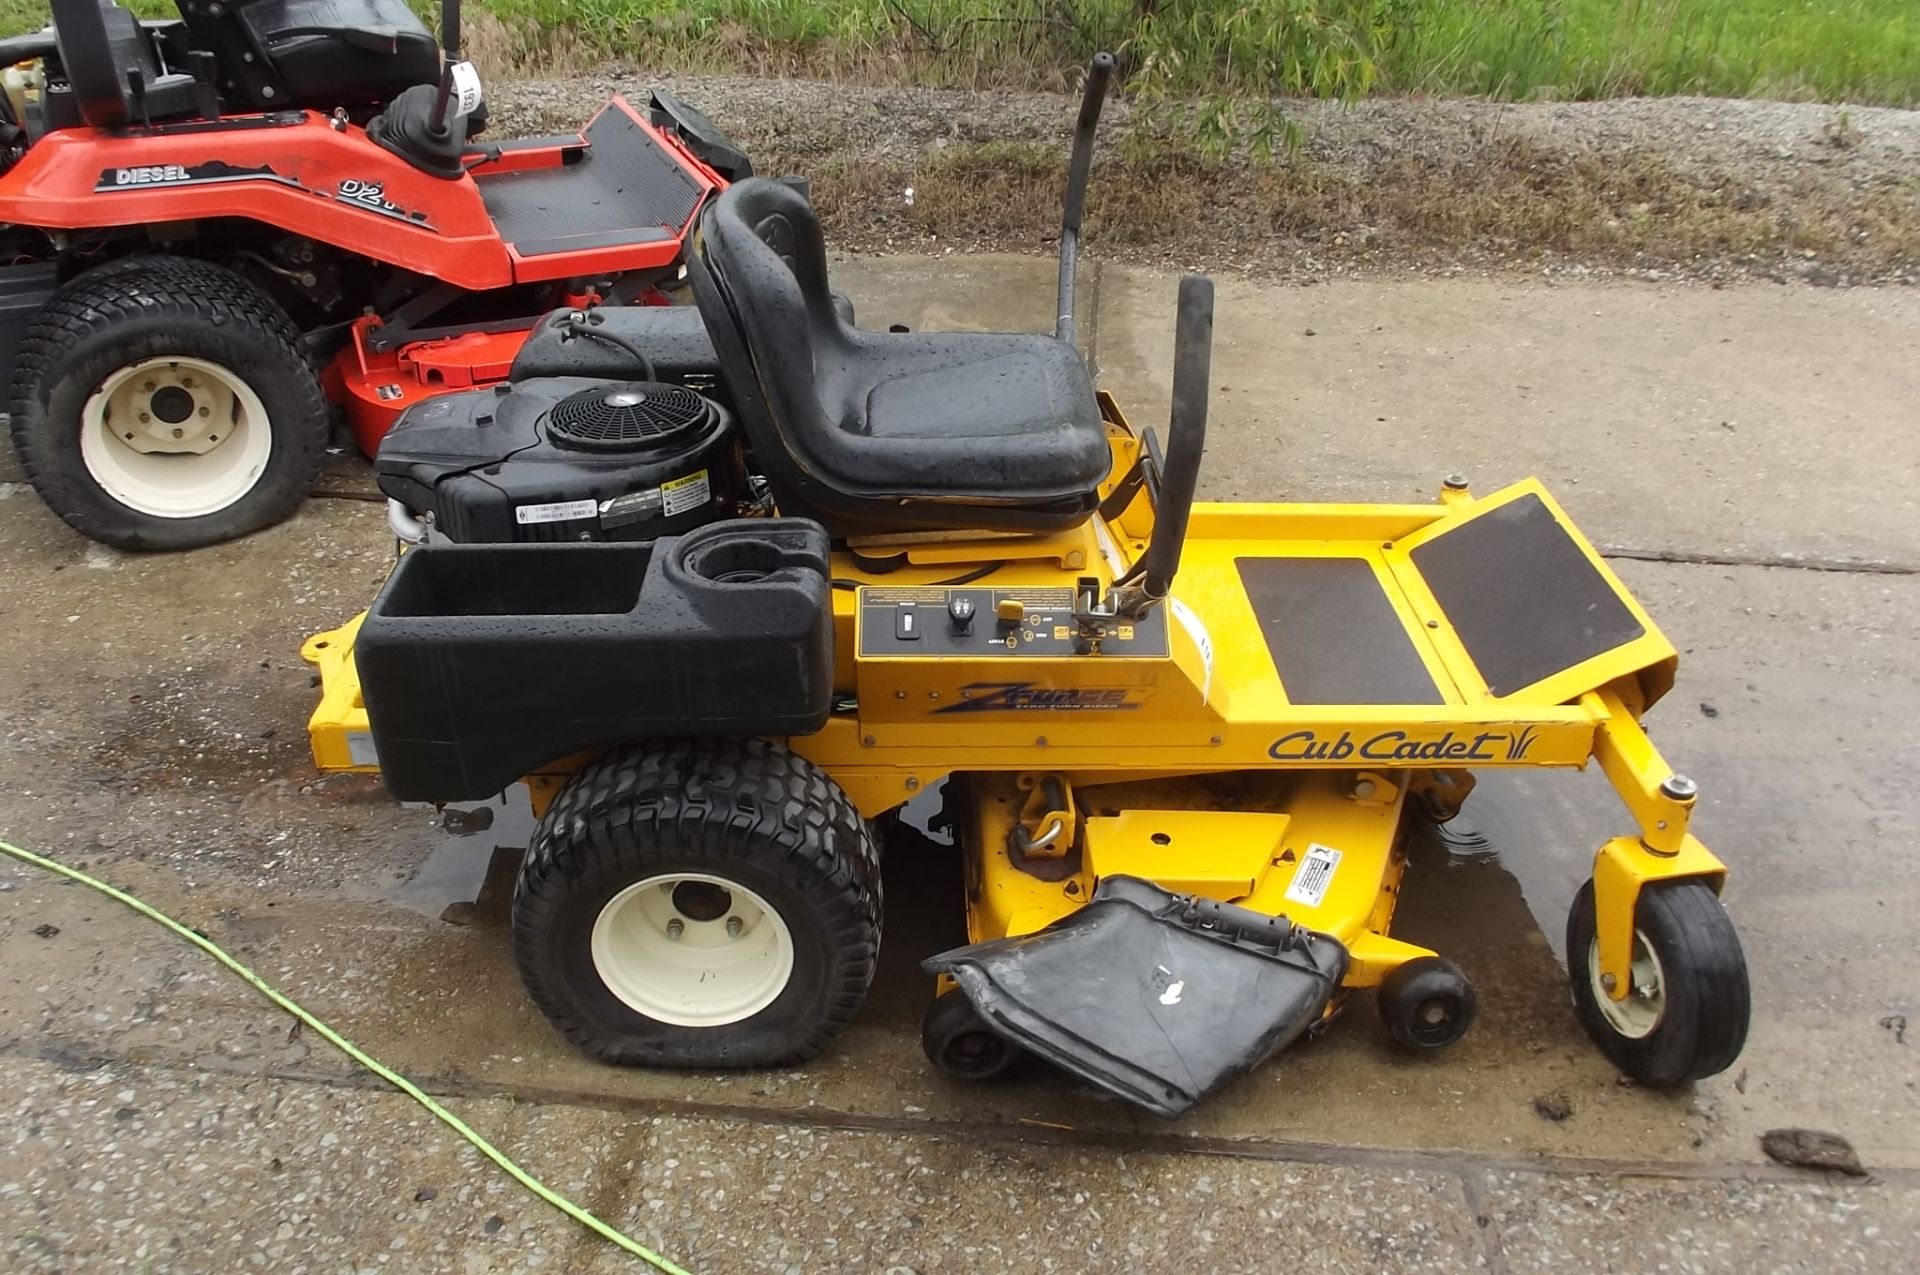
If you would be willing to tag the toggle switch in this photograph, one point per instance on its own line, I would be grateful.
(906, 623)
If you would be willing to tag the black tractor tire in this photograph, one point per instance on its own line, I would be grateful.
(154, 307)
(771, 825)
(1702, 1024)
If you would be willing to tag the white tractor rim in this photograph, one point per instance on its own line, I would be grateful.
(692, 949)
(175, 437)
(1635, 1016)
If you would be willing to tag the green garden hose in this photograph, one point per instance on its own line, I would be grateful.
(358, 1055)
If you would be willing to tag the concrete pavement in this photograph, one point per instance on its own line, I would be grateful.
(152, 730)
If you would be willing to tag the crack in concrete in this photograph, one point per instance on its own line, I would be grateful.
(77, 1056)
(1785, 562)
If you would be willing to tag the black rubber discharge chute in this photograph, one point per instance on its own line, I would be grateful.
(1158, 997)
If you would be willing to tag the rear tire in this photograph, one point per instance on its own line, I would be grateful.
(166, 403)
(1686, 1018)
(624, 918)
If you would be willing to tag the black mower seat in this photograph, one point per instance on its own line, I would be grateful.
(871, 432)
(275, 54)
(114, 68)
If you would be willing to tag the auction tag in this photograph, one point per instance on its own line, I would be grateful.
(466, 87)
(564, 511)
(1314, 875)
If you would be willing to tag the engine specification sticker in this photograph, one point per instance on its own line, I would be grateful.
(679, 495)
(1314, 875)
(564, 511)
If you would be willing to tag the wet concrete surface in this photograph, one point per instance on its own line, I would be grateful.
(154, 708)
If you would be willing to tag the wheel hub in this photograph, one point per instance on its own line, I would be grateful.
(1637, 1013)
(175, 437)
(692, 949)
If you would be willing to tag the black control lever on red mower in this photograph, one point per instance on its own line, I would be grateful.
(1099, 75)
(450, 58)
(1146, 585)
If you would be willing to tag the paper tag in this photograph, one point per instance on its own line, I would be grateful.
(466, 87)
(1314, 875)
(564, 511)
(682, 494)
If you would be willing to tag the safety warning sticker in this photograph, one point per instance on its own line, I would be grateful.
(681, 494)
(1314, 875)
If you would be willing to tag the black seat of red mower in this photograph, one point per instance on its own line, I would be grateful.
(277, 54)
(871, 432)
(114, 68)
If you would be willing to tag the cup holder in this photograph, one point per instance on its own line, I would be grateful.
(752, 552)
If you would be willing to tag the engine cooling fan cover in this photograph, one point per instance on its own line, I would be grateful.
(632, 416)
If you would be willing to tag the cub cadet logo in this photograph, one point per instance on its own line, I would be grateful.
(1400, 745)
(1025, 697)
(152, 175)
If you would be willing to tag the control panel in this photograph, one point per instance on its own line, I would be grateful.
(977, 622)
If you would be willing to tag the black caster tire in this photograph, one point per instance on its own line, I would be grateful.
(166, 403)
(1427, 1003)
(710, 903)
(959, 1043)
(1687, 1015)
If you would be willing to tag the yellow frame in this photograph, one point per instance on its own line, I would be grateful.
(1214, 706)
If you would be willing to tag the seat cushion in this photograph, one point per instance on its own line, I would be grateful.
(961, 414)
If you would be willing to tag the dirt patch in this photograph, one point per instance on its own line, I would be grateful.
(1692, 187)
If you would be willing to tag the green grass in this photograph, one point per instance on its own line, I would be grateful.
(1865, 51)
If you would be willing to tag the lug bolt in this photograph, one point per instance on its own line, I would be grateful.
(179, 433)
(676, 927)
(145, 419)
(187, 382)
(734, 926)
(206, 411)
(151, 386)
(1679, 788)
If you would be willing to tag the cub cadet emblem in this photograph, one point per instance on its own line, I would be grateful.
(150, 175)
(1400, 745)
(1025, 697)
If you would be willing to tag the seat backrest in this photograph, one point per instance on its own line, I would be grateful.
(99, 43)
(759, 271)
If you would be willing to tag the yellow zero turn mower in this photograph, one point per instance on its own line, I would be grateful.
(723, 617)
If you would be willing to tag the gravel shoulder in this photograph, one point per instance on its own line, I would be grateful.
(1684, 187)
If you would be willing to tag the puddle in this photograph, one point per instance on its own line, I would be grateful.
(468, 874)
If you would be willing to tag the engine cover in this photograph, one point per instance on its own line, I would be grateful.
(564, 458)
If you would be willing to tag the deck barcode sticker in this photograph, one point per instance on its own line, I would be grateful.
(1314, 875)
(682, 494)
(564, 511)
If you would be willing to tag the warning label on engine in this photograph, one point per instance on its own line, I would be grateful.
(680, 495)
(564, 511)
(1314, 875)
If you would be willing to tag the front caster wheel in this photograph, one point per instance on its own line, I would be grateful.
(1685, 1016)
(959, 1042)
(713, 903)
(1426, 1003)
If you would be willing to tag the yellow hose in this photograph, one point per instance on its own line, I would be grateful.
(360, 1056)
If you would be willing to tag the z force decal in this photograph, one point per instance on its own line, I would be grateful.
(214, 171)
(1404, 745)
(1025, 697)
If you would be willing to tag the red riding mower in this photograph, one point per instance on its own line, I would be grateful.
(218, 227)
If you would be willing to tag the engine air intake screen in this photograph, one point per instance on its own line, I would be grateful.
(628, 417)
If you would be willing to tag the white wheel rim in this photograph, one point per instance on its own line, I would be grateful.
(175, 437)
(1640, 1011)
(692, 949)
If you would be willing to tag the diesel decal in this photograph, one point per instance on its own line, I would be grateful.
(150, 176)
(214, 171)
(1025, 697)
(1401, 745)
